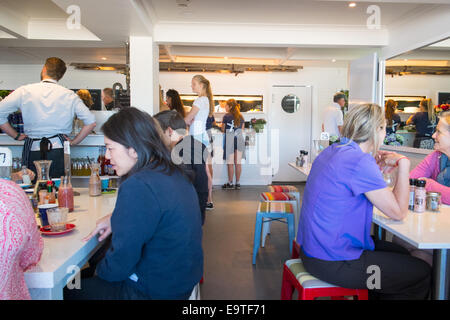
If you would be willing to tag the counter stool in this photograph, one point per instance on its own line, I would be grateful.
(308, 287)
(269, 211)
(283, 197)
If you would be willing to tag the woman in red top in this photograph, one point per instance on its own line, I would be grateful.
(20, 242)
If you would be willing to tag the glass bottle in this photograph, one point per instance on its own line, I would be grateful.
(420, 196)
(50, 193)
(65, 194)
(412, 188)
(25, 176)
(95, 183)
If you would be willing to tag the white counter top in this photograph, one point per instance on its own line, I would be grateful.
(428, 230)
(304, 170)
(47, 279)
(92, 140)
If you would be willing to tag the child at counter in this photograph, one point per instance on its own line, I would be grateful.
(156, 244)
(344, 184)
(21, 243)
(188, 151)
(233, 143)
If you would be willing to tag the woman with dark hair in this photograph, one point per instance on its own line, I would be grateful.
(156, 250)
(186, 151)
(173, 101)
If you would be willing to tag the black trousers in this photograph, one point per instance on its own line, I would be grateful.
(202, 200)
(96, 288)
(402, 277)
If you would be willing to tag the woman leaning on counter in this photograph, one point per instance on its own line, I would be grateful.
(435, 168)
(156, 245)
(344, 184)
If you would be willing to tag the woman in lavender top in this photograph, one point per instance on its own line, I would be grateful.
(334, 230)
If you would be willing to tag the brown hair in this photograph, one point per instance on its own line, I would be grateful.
(389, 110)
(235, 111)
(55, 68)
(109, 92)
(362, 123)
(85, 95)
(207, 86)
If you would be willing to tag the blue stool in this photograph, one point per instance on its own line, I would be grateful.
(273, 211)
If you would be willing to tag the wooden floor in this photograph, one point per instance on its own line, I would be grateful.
(228, 245)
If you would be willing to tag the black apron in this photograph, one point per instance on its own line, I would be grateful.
(46, 153)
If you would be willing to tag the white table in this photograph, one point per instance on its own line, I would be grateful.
(303, 170)
(61, 253)
(428, 230)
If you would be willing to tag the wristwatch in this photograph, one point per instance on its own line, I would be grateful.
(17, 137)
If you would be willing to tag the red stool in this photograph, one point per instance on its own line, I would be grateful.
(308, 287)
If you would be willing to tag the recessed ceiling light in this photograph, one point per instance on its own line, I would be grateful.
(103, 58)
(226, 58)
(333, 60)
(405, 59)
(352, 4)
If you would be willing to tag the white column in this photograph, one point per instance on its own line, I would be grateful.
(144, 74)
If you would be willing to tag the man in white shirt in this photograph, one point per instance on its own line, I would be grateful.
(333, 118)
(48, 110)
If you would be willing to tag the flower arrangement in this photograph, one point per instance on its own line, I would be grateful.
(258, 124)
(441, 107)
(394, 139)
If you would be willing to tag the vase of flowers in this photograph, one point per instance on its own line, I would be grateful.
(258, 124)
(441, 107)
(394, 139)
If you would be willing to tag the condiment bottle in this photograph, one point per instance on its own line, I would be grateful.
(420, 196)
(65, 194)
(305, 159)
(412, 188)
(43, 199)
(95, 183)
(25, 177)
(50, 193)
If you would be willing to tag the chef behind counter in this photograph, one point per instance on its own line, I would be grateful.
(48, 110)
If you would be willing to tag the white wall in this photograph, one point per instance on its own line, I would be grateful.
(427, 85)
(325, 82)
(14, 76)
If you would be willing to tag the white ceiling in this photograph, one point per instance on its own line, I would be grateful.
(279, 12)
(113, 21)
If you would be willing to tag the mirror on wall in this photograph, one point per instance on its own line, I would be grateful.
(417, 90)
(290, 103)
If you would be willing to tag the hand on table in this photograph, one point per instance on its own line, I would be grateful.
(103, 228)
(22, 136)
(16, 176)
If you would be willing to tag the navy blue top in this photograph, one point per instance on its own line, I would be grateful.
(156, 234)
(228, 120)
(395, 123)
(424, 128)
(209, 122)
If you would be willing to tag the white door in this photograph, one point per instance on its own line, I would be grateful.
(363, 79)
(290, 116)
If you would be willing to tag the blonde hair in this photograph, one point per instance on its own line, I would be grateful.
(86, 97)
(362, 124)
(427, 104)
(207, 86)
